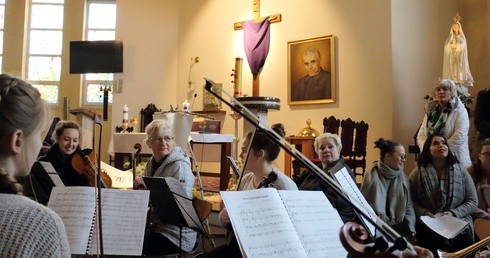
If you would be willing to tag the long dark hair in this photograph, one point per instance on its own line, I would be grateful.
(426, 158)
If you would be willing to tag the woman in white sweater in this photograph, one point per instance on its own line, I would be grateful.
(27, 228)
(447, 116)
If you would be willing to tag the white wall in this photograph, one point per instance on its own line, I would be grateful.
(149, 30)
(363, 56)
(388, 54)
(420, 29)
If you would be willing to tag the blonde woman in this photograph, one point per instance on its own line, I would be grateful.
(27, 228)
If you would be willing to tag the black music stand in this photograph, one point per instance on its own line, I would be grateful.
(171, 203)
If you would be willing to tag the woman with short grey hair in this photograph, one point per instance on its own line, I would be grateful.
(328, 147)
(447, 116)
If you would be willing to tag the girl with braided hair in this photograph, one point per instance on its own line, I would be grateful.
(27, 228)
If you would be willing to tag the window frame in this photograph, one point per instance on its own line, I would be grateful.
(86, 82)
(28, 54)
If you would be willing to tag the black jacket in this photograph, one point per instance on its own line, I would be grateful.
(482, 113)
(38, 184)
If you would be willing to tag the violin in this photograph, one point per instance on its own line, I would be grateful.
(84, 162)
(268, 180)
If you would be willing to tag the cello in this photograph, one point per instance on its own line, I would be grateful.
(84, 162)
(353, 236)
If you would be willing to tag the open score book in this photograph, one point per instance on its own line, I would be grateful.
(272, 223)
(123, 219)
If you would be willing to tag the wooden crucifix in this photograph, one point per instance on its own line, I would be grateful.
(256, 18)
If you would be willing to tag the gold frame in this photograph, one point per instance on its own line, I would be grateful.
(296, 69)
(210, 102)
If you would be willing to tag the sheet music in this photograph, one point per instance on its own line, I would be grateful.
(120, 179)
(78, 219)
(348, 185)
(123, 222)
(48, 167)
(316, 221)
(446, 226)
(263, 230)
(123, 218)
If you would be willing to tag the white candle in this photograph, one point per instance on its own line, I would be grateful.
(237, 90)
(186, 106)
(125, 115)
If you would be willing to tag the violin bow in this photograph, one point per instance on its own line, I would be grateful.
(400, 243)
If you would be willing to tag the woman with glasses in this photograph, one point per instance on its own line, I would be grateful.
(168, 160)
(387, 190)
(440, 186)
(447, 116)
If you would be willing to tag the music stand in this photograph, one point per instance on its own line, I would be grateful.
(171, 203)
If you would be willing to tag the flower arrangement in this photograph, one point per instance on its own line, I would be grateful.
(140, 168)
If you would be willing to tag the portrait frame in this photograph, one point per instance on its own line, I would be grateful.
(211, 102)
(323, 82)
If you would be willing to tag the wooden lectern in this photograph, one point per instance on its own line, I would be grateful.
(86, 121)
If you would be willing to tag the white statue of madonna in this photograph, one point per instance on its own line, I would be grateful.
(455, 64)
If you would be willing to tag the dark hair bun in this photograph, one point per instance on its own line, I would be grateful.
(381, 143)
(279, 129)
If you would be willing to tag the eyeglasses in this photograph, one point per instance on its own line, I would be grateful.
(161, 139)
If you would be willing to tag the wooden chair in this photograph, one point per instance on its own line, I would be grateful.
(358, 158)
(347, 138)
(331, 125)
(354, 140)
(147, 115)
(353, 136)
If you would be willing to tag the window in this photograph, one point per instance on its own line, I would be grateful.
(2, 22)
(45, 36)
(101, 25)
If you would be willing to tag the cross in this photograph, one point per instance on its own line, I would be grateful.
(256, 17)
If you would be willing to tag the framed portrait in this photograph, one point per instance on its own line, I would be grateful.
(210, 102)
(311, 71)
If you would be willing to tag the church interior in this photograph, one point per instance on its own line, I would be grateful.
(386, 56)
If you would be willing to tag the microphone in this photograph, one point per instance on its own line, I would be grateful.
(193, 100)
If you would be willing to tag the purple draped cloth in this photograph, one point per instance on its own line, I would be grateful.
(256, 39)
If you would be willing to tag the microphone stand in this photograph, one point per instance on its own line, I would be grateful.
(399, 242)
(98, 121)
(135, 157)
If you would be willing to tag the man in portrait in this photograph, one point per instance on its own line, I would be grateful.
(316, 85)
